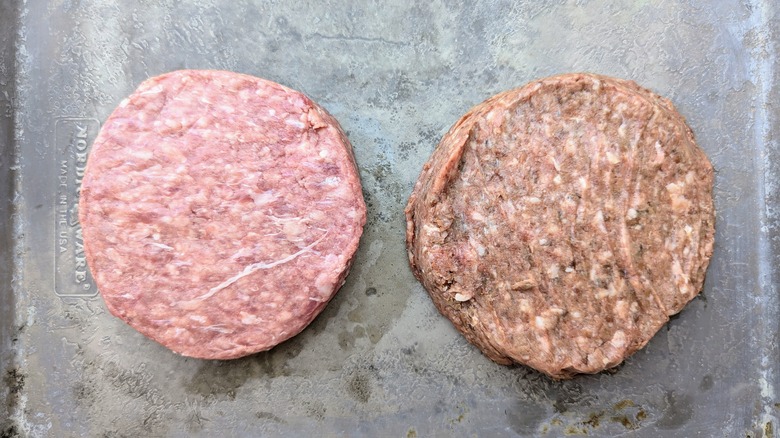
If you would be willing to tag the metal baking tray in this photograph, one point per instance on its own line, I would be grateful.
(380, 361)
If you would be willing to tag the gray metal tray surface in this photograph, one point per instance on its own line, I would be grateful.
(380, 360)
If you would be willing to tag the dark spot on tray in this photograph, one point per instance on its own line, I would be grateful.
(84, 392)
(625, 418)
(14, 380)
(359, 387)
(672, 318)
(370, 291)
(702, 297)
(625, 421)
(375, 217)
(559, 406)
(706, 383)
(410, 349)
(315, 409)
(222, 379)
(536, 385)
(677, 411)
(411, 433)
(623, 404)
(405, 147)
(430, 136)
(615, 369)
(381, 171)
(348, 338)
(355, 315)
(594, 419)
(525, 417)
(769, 430)
(569, 395)
(461, 411)
(269, 416)
(375, 333)
(113, 433)
(574, 430)
(289, 349)
(10, 431)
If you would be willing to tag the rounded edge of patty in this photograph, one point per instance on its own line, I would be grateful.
(438, 272)
(320, 123)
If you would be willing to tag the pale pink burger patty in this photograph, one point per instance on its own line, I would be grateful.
(220, 212)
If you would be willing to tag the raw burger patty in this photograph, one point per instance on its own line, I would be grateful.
(220, 212)
(560, 224)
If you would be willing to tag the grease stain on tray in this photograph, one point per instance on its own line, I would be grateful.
(359, 387)
(348, 338)
(706, 383)
(270, 417)
(525, 417)
(10, 431)
(624, 412)
(222, 379)
(14, 381)
(677, 410)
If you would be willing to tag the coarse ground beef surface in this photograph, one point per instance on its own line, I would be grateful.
(560, 224)
(220, 212)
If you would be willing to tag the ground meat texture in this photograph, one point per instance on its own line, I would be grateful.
(220, 212)
(560, 224)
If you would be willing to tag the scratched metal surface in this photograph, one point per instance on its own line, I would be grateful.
(380, 361)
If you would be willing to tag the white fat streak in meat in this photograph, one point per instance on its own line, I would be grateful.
(618, 340)
(263, 198)
(477, 216)
(254, 267)
(242, 252)
(332, 181)
(219, 328)
(154, 90)
(296, 123)
(598, 220)
(509, 207)
(477, 246)
(161, 245)
(659, 154)
(462, 297)
(555, 164)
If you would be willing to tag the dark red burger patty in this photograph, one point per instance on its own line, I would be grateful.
(560, 224)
